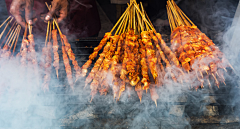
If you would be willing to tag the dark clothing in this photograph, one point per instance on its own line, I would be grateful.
(82, 20)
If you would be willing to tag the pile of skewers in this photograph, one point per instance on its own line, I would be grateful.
(196, 52)
(134, 57)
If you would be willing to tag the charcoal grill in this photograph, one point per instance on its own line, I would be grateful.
(214, 108)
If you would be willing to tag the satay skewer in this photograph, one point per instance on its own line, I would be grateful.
(5, 52)
(8, 46)
(55, 49)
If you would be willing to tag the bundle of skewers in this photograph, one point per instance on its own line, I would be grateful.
(52, 47)
(196, 52)
(134, 57)
(27, 52)
(9, 42)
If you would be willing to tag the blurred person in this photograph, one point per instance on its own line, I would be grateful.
(77, 18)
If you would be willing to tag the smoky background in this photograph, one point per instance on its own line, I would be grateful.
(23, 104)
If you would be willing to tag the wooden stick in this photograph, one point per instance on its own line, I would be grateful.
(57, 73)
(144, 17)
(131, 14)
(179, 20)
(17, 40)
(214, 77)
(149, 21)
(169, 18)
(139, 22)
(47, 34)
(129, 20)
(121, 17)
(53, 26)
(123, 26)
(5, 28)
(124, 18)
(54, 20)
(134, 23)
(142, 14)
(50, 32)
(11, 41)
(29, 29)
(5, 21)
(180, 15)
(173, 22)
(11, 33)
(183, 13)
(15, 36)
(14, 24)
(25, 32)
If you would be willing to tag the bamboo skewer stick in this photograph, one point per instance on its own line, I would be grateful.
(134, 25)
(53, 26)
(123, 26)
(142, 14)
(11, 33)
(17, 40)
(25, 32)
(14, 34)
(54, 20)
(139, 21)
(14, 39)
(47, 34)
(183, 13)
(131, 11)
(121, 17)
(129, 21)
(149, 21)
(171, 26)
(8, 32)
(50, 33)
(5, 28)
(5, 21)
(145, 20)
(29, 29)
(120, 24)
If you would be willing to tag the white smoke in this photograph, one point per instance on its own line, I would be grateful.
(23, 104)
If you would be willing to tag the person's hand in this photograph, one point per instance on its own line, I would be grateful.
(17, 9)
(59, 9)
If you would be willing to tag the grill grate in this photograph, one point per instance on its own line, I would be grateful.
(213, 104)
